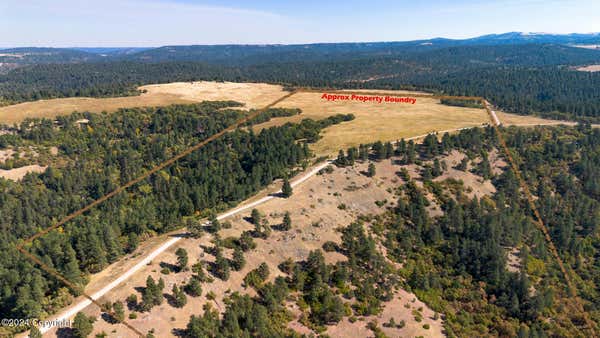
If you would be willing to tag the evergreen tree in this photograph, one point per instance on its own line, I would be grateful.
(388, 150)
(82, 325)
(238, 262)
(410, 156)
(371, 170)
(437, 168)
(263, 271)
(379, 150)
(256, 217)
(246, 241)
(462, 166)
(193, 287)
(221, 267)
(430, 145)
(352, 155)
(132, 242)
(400, 148)
(341, 160)
(286, 189)
(118, 310)
(35, 332)
(215, 225)
(363, 152)
(182, 259)
(195, 228)
(287, 222)
(179, 297)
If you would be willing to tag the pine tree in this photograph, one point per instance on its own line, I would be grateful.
(195, 228)
(246, 241)
(238, 262)
(286, 189)
(198, 269)
(410, 156)
(132, 242)
(371, 170)
(388, 150)
(82, 325)
(352, 155)
(363, 152)
(148, 295)
(341, 159)
(193, 287)
(215, 225)
(379, 150)
(263, 271)
(437, 168)
(179, 297)
(221, 267)
(35, 332)
(400, 148)
(182, 259)
(287, 222)
(119, 312)
(462, 166)
(256, 217)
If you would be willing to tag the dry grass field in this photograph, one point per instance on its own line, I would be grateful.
(254, 95)
(378, 121)
(374, 121)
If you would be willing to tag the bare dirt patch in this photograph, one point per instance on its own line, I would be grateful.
(400, 308)
(476, 186)
(6, 154)
(592, 68)
(17, 174)
(513, 260)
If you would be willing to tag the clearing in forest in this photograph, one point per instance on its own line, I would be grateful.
(373, 121)
(254, 95)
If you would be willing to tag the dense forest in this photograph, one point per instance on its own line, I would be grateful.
(456, 262)
(525, 78)
(111, 149)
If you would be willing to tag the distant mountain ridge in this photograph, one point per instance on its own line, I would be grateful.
(248, 54)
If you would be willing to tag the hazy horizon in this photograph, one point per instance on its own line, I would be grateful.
(153, 23)
(291, 44)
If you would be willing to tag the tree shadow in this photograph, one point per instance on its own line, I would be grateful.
(279, 227)
(170, 299)
(211, 250)
(65, 332)
(108, 318)
(178, 332)
(277, 195)
(171, 267)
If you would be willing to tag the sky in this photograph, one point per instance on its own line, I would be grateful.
(149, 23)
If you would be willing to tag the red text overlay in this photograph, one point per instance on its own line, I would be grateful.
(368, 98)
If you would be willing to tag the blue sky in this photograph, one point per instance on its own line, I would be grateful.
(64, 23)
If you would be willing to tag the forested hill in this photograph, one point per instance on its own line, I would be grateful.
(535, 78)
(114, 149)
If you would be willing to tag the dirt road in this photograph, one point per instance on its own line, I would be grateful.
(75, 308)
